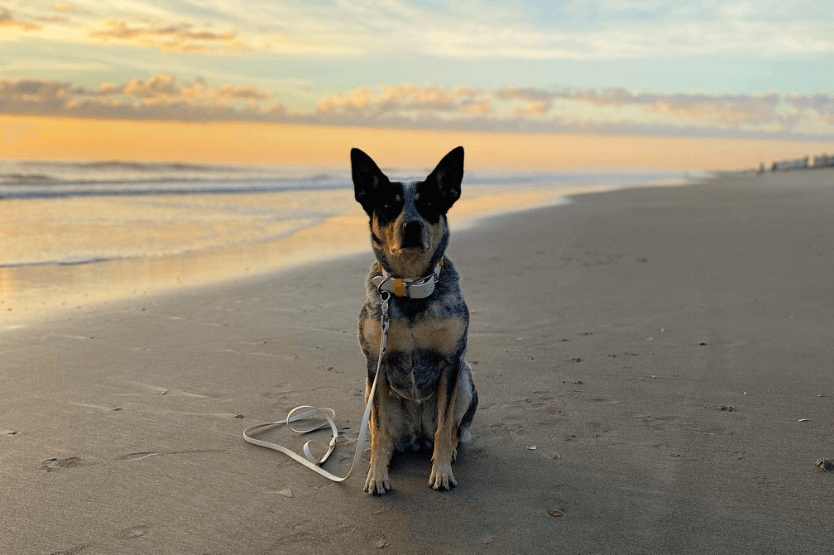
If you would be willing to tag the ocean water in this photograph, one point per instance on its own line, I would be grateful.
(78, 232)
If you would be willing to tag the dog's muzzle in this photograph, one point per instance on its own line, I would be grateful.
(412, 236)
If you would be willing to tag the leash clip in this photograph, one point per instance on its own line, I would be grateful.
(385, 324)
(385, 296)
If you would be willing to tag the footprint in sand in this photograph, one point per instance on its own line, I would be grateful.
(54, 463)
(133, 532)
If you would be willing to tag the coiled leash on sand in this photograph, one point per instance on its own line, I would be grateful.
(328, 414)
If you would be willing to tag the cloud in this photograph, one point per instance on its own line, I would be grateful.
(7, 20)
(404, 100)
(238, 92)
(674, 109)
(159, 97)
(726, 109)
(154, 87)
(183, 37)
(614, 110)
(63, 7)
(36, 89)
(821, 102)
(120, 30)
(289, 30)
(733, 112)
(356, 102)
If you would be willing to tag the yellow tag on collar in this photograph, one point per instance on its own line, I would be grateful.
(399, 290)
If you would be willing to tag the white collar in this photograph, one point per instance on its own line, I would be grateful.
(413, 288)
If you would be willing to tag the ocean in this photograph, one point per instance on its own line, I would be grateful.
(83, 231)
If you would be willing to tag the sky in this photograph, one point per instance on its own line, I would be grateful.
(575, 83)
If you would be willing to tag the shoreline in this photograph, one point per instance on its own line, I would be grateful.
(666, 352)
(38, 292)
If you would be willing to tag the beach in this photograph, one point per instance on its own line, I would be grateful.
(654, 366)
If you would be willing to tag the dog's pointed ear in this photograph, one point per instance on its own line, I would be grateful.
(447, 178)
(367, 178)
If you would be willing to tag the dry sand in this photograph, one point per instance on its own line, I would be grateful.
(658, 347)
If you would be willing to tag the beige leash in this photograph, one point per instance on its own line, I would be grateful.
(329, 415)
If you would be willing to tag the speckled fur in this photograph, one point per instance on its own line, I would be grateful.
(425, 397)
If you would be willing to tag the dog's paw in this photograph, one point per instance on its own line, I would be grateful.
(377, 482)
(441, 477)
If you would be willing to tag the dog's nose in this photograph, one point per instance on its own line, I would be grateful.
(413, 234)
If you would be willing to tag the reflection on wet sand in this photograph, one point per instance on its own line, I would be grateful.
(32, 291)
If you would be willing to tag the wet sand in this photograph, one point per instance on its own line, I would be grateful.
(666, 351)
(146, 246)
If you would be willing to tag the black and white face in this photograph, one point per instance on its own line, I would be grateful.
(407, 217)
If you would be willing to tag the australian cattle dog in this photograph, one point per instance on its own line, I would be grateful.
(425, 395)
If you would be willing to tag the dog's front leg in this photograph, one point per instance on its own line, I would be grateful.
(382, 439)
(445, 438)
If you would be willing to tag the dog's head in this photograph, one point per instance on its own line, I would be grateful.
(408, 220)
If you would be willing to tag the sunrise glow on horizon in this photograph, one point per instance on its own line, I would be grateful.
(308, 145)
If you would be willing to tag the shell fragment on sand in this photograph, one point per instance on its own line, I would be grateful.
(824, 465)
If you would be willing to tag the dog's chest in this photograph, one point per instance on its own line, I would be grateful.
(430, 333)
(416, 351)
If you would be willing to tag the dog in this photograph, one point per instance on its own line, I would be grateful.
(425, 395)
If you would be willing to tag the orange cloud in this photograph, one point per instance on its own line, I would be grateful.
(172, 38)
(6, 20)
(120, 30)
(154, 86)
(354, 101)
(160, 96)
(412, 97)
(247, 92)
(407, 100)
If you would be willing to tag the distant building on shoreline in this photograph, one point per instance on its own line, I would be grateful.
(821, 161)
(824, 161)
(799, 164)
